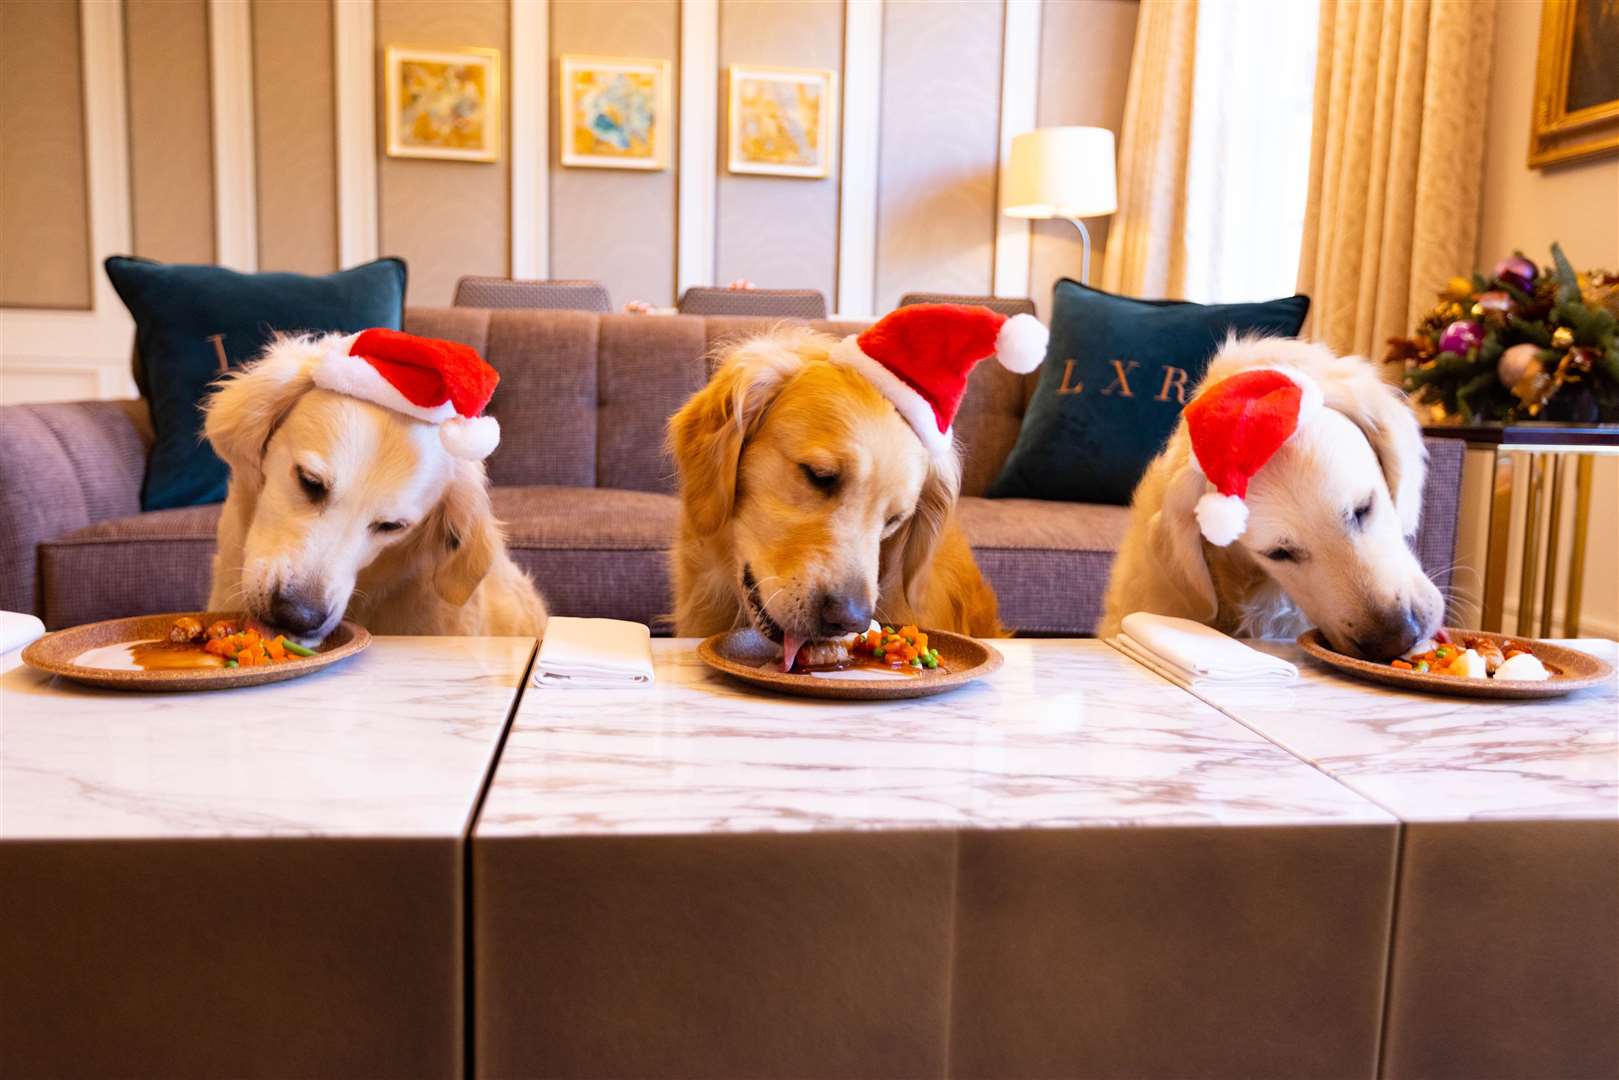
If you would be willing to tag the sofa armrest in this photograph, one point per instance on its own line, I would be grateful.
(63, 467)
(1435, 541)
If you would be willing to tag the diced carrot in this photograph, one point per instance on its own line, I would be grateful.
(1402, 665)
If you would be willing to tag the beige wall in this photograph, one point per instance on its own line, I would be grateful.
(171, 164)
(445, 218)
(939, 116)
(44, 204)
(936, 212)
(777, 232)
(616, 226)
(1578, 206)
(294, 122)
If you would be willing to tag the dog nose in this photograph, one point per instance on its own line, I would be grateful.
(844, 615)
(1394, 632)
(291, 611)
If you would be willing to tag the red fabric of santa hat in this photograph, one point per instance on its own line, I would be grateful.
(919, 357)
(1236, 425)
(438, 382)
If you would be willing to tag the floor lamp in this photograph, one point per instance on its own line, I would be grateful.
(1063, 172)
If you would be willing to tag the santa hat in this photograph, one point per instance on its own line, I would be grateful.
(1236, 425)
(438, 382)
(919, 357)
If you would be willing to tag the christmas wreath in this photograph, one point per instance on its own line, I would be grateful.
(1520, 344)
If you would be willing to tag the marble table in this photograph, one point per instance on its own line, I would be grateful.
(1505, 957)
(1072, 869)
(268, 882)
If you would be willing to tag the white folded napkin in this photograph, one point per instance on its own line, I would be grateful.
(1190, 654)
(598, 653)
(17, 630)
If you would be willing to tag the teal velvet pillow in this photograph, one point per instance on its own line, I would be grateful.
(1116, 374)
(192, 323)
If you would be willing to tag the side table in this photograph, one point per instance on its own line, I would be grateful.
(1553, 449)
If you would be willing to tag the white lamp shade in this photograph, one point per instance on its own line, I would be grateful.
(1061, 172)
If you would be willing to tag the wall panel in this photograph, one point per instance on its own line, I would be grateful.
(940, 133)
(1084, 70)
(171, 162)
(44, 200)
(616, 225)
(445, 218)
(779, 232)
(294, 120)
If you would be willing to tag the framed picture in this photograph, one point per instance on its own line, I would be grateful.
(443, 103)
(781, 121)
(1576, 82)
(615, 113)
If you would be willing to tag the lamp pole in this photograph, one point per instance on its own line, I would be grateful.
(1084, 250)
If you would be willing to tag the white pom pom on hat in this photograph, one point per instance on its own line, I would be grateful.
(1236, 425)
(920, 356)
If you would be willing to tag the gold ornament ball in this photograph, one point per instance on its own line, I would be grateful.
(1562, 337)
(1459, 288)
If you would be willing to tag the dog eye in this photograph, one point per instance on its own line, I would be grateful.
(1362, 513)
(826, 483)
(1281, 554)
(387, 526)
(314, 487)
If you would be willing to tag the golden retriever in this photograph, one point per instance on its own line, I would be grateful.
(1329, 514)
(808, 505)
(337, 506)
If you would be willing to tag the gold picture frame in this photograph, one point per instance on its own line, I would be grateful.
(442, 103)
(1576, 112)
(615, 112)
(781, 121)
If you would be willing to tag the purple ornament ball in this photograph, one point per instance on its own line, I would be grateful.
(1460, 337)
(1517, 271)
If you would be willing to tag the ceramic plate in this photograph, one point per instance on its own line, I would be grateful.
(751, 657)
(60, 653)
(1571, 669)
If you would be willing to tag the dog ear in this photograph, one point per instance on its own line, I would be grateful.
(706, 434)
(910, 550)
(466, 534)
(1389, 424)
(1177, 542)
(249, 404)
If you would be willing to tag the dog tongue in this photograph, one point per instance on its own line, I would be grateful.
(790, 644)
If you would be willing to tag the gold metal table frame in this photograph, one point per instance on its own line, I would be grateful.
(1547, 453)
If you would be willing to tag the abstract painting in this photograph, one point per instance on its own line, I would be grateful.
(781, 121)
(615, 113)
(443, 103)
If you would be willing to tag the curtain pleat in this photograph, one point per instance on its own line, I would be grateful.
(1396, 162)
(1144, 254)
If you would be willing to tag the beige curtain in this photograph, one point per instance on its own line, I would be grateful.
(1396, 162)
(1144, 253)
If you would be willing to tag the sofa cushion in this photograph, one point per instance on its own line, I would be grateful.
(194, 322)
(593, 551)
(1116, 374)
(1047, 561)
(158, 561)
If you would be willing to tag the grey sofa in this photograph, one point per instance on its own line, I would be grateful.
(580, 478)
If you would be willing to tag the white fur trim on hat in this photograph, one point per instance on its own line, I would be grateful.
(342, 373)
(473, 438)
(1021, 344)
(911, 405)
(1221, 518)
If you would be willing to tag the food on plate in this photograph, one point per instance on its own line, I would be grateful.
(899, 649)
(225, 643)
(1474, 657)
(904, 651)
